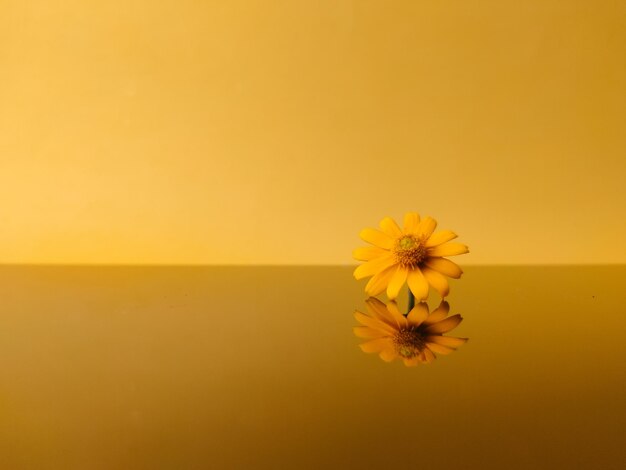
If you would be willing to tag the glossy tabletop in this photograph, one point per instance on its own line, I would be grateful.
(258, 368)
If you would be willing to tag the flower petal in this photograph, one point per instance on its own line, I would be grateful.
(376, 345)
(440, 237)
(366, 253)
(411, 222)
(378, 283)
(388, 354)
(438, 314)
(437, 281)
(444, 325)
(418, 284)
(400, 320)
(375, 266)
(427, 227)
(390, 227)
(438, 348)
(382, 314)
(445, 266)
(448, 341)
(377, 238)
(366, 332)
(376, 308)
(374, 323)
(448, 249)
(418, 314)
(412, 362)
(428, 356)
(397, 281)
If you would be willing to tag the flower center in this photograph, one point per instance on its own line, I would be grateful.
(409, 343)
(409, 251)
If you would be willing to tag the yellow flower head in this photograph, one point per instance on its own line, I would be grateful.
(413, 254)
(415, 338)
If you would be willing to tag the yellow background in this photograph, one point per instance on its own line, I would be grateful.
(273, 131)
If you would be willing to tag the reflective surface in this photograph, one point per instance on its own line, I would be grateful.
(162, 368)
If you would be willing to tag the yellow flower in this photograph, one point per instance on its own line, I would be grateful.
(414, 339)
(412, 254)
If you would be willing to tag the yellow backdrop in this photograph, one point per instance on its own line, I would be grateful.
(271, 132)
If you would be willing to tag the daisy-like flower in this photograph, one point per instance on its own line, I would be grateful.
(415, 338)
(413, 254)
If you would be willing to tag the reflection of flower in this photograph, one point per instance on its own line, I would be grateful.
(414, 338)
(413, 255)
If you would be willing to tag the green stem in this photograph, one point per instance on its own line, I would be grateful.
(411, 301)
